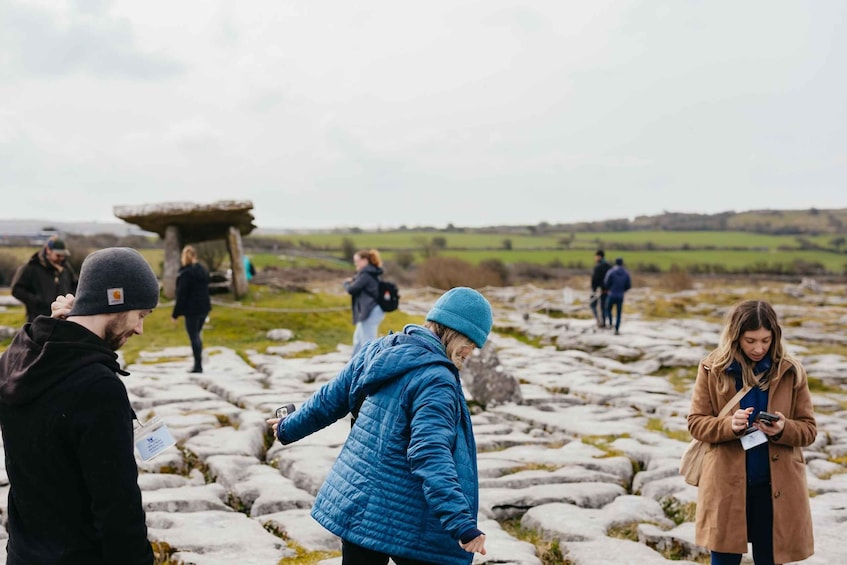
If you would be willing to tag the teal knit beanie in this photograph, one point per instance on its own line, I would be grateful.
(115, 279)
(464, 310)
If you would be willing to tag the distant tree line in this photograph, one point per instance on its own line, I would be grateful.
(772, 222)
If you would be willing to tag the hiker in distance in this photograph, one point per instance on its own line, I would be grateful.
(68, 423)
(411, 452)
(599, 293)
(363, 288)
(192, 302)
(45, 276)
(753, 480)
(617, 281)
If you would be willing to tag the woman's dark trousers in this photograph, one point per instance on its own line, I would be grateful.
(353, 554)
(759, 528)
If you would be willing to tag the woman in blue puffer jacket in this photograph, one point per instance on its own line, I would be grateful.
(405, 484)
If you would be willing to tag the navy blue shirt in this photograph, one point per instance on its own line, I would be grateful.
(758, 467)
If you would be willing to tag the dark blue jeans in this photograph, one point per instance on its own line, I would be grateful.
(352, 554)
(614, 301)
(759, 528)
(604, 303)
(194, 326)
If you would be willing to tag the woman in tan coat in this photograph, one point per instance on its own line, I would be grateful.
(753, 482)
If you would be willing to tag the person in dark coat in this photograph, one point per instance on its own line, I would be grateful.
(193, 302)
(363, 288)
(617, 282)
(599, 293)
(45, 276)
(67, 423)
(405, 485)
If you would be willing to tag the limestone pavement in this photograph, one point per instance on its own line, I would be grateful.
(593, 449)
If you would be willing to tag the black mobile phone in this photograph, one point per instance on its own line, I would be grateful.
(767, 417)
(284, 411)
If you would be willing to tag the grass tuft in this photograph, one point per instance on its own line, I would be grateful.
(547, 550)
(657, 425)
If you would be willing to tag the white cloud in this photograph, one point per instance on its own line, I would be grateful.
(472, 111)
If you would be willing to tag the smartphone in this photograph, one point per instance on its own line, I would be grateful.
(284, 411)
(767, 418)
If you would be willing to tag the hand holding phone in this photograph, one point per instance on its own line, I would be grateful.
(767, 418)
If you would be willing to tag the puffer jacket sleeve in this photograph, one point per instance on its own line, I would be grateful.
(435, 419)
(328, 404)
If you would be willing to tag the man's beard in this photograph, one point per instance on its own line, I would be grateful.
(116, 333)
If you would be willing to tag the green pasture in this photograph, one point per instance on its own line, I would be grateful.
(587, 240)
(694, 239)
(662, 260)
(417, 240)
(728, 260)
(731, 251)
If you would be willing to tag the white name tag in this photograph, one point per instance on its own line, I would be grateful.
(152, 439)
(752, 438)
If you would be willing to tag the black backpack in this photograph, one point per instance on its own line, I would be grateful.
(388, 297)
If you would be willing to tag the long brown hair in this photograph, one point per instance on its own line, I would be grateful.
(750, 316)
(372, 255)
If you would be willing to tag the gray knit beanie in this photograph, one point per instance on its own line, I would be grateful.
(115, 279)
(465, 310)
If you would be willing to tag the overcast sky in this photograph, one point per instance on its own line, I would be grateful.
(382, 113)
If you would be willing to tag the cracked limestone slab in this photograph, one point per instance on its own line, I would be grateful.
(217, 538)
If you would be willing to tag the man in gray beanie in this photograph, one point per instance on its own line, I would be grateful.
(411, 452)
(67, 422)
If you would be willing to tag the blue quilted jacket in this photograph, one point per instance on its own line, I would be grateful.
(405, 482)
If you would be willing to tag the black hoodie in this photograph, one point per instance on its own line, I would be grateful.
(68, 438)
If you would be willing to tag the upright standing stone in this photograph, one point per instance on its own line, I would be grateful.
(172, 263)
(236, 253)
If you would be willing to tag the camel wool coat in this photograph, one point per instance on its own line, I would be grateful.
(721, 523)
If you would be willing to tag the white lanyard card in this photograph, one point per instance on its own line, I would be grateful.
(152, 438)
(753, 437)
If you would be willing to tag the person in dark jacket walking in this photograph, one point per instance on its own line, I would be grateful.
(598, 291)
(617, 282)
(363, 288)
(67, 423)
(193, 302)
(45, 276)
(405, 484)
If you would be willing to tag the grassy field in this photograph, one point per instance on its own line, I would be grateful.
(729, 251)
(732, 261)
(700, 251)
(414, 240)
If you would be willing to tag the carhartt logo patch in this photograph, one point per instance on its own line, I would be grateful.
(115, 296)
